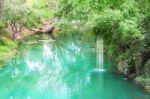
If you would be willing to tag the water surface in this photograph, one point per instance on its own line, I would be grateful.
(64, 69)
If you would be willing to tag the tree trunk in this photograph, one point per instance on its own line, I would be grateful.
(16, 29)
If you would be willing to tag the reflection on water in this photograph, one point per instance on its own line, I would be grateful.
(62, 70)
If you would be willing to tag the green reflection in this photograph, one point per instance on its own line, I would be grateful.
(63, 69)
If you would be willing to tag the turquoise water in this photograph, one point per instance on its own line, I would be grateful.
(64, 69)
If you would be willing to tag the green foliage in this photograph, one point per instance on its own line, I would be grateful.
(106, 23)
(6, 45)
(27, 13)
(7, 49)
(146, 70)
(39, 10)
(117, 21)
(16, 10)
(110, 18)
(144, 6)
(74, 29)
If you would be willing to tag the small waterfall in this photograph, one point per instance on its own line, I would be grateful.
(99, 54)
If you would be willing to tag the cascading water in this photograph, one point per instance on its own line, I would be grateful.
(99, 54)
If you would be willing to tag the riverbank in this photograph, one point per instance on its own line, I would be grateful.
(8, 46)
(7, 49)
(144, 82)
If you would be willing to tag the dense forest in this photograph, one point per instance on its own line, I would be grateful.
(124, 26)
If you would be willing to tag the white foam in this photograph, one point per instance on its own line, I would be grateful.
(99, 70)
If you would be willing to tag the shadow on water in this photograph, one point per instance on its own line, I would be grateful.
(63, 69)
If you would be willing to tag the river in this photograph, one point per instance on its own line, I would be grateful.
(62, 69)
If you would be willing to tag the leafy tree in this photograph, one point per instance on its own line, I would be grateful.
(16, 12)
(22, 13)
(38, 10)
